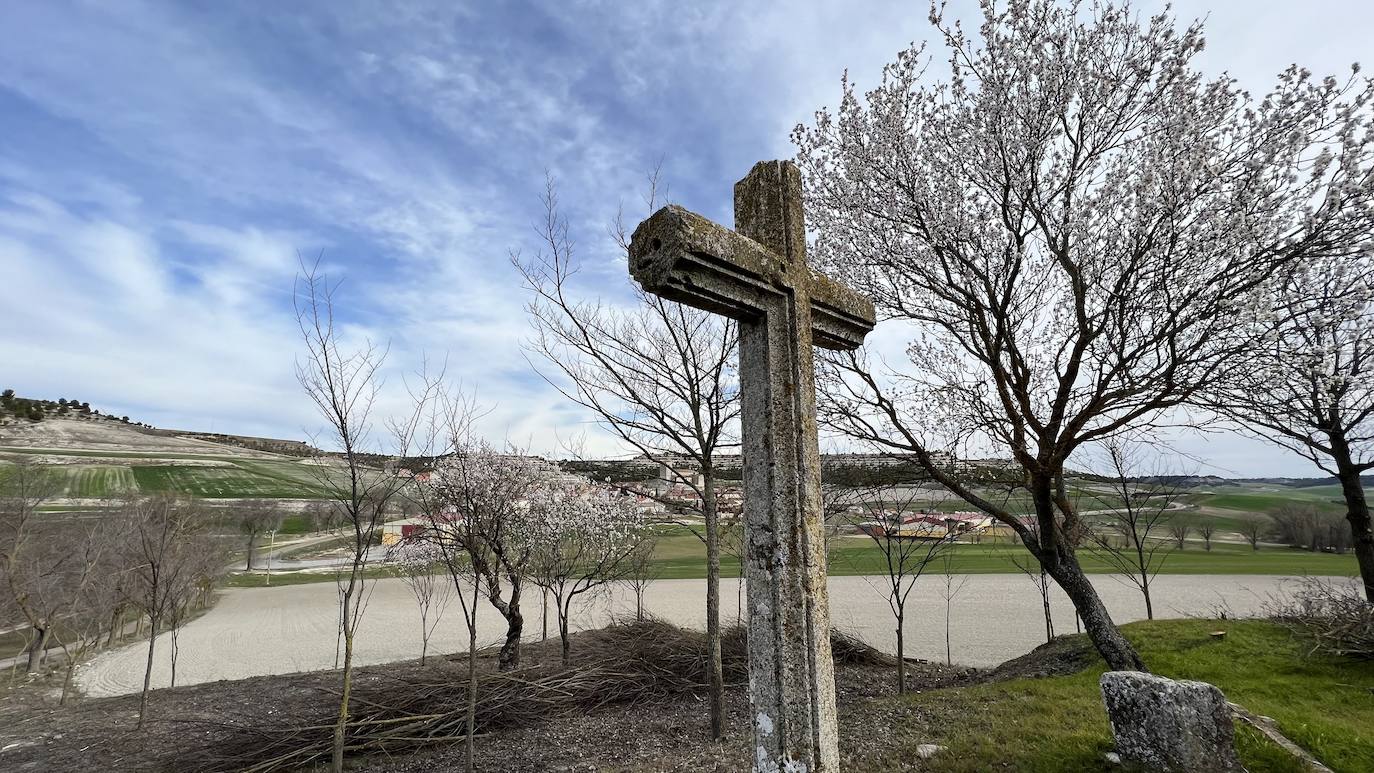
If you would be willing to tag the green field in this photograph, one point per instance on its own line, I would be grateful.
(268, 479)
(96, 481)
(219, 482)
(682, 557)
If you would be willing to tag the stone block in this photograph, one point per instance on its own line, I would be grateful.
(1168, 725)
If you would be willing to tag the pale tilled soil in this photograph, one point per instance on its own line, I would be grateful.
(99, 435)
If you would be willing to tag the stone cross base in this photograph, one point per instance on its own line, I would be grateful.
(1166, 725)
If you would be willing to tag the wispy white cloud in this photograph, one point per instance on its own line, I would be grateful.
(162, 168)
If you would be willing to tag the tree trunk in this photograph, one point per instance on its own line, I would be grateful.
(1058, 559)
(346, 630)
(252, 540)
(36, 649)
(715, 674)
(424, 631)
(563, 614)
(1357, 514)
(176, 650)
(116, 623)
(341, 727)
(1149, 604)
(1045, 607)
(948, 651)
(468, 753)
(147, 673)
(67, 680)
(901, 656)
(509, 658)
(1105, 636)
(739, 594)
(639, 603)
(544, 634)
(1142, 562)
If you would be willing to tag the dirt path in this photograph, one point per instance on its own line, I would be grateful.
(262, 631)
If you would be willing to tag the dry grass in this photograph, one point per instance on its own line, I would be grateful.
(625, 664)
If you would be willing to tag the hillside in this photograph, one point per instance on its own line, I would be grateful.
(96, 457)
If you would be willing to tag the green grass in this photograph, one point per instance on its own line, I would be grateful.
(681, 556)
(218, 482)
(684, 557)
(290, 472)
(1053, 724)
(259, 579)
(94, 481)
(296, 524)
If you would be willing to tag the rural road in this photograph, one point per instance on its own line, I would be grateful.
(256, 631)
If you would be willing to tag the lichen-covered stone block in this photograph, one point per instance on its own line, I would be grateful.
(1169, 725)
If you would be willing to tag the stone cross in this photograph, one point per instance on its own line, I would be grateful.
(758, 275)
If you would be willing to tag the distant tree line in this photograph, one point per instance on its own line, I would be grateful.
(37, 410)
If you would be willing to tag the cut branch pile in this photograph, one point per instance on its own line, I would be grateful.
(1334, 618)
(626, 663)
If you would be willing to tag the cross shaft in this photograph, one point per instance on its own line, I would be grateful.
(759, 276)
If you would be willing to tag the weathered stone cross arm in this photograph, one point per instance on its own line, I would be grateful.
(685, 257)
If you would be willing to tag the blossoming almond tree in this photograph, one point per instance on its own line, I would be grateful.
(1308, 387)
(489, 494)
(1080, 228)
(584, 536)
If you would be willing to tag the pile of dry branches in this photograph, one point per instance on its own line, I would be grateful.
(408, 710)
(1335, 618)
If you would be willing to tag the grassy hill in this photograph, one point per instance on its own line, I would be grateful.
(95, 457)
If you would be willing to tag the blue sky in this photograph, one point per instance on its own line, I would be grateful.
(162, 165)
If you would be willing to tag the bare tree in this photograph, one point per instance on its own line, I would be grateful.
(94, 593)
(1206, 528)
(165, 554)
(255, 517)
(1178, 531)
(33, 567)
(658, 375)
(1316, 366)
(910, 541)
(204, 557)
(1296, 525)
(344, 387)
(583, 537)
(1080, 228)
(1128, 536)
(416, 563)
(1252, 529)
(59, 574)
(953, 585)
(1039, 577)
(642, 569)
